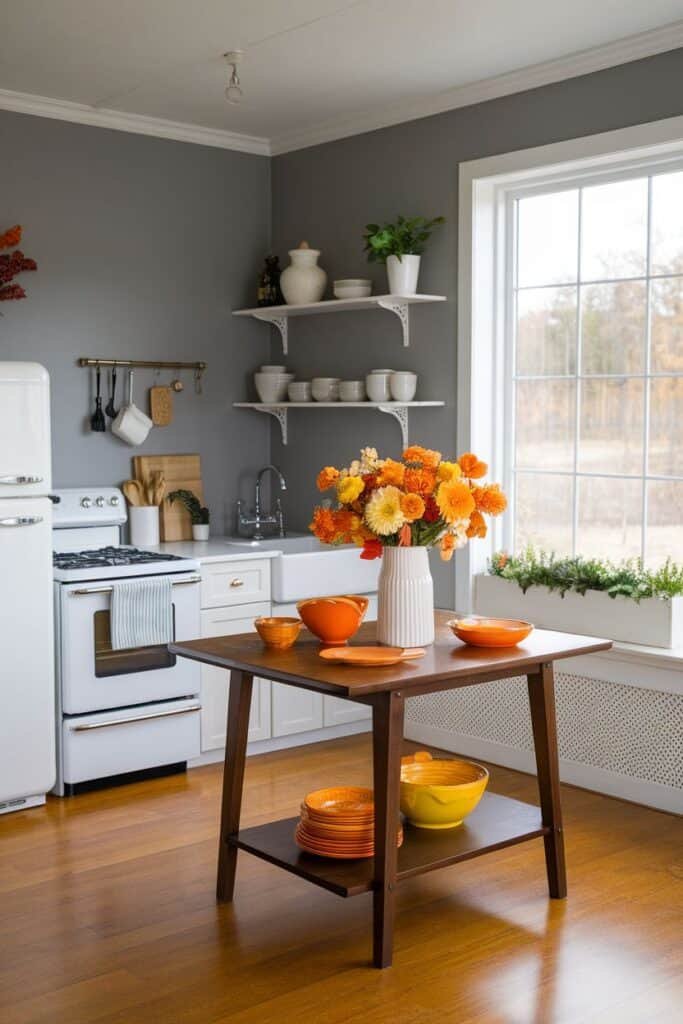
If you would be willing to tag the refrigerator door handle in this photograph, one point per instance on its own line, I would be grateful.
(21, 479)
(21, 521)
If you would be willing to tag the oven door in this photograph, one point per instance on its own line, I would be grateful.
(94, 677)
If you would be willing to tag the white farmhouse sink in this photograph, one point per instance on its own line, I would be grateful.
(307, 568)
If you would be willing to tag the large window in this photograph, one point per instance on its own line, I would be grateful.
(594, 366)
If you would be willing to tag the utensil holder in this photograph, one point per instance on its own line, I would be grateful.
(144, 525)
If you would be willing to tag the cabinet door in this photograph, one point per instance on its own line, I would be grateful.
(295, 710)
(226, 622)
(339, 712)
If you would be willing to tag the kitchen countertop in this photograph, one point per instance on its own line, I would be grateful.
(215, 549)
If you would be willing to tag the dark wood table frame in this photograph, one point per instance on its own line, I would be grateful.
(497, 822)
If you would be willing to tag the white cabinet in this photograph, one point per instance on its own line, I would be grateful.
(215, 681)
(295, 710)
(339, 712)
(235, 583)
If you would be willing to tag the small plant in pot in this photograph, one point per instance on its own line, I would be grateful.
(400, 246)
(198, 513)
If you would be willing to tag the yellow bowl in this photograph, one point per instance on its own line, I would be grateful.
(440, 794)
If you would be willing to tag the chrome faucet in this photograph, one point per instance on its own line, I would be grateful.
(258, 520)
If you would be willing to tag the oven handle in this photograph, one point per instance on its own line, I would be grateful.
(108, 590)
(140, 718)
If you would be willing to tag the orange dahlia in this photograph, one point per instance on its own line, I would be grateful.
(455, 501)
(327, 478)
(472, 467)
(477, 527)
(11, 237)
(447, 547)
(490, 499)
(391, 473)
(420, 481)
(412, 507)
(426, 456)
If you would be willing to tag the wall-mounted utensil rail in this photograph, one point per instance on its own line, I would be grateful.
(143, 364)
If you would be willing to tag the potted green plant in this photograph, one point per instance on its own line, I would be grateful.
(400, 246)
(199, 514)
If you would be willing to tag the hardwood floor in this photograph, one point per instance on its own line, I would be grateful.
(108, 914)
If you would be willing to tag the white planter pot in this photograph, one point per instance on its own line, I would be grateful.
(406, 598)
(200, 531)
(402, 274)
(144, 525)
(303, 281)
(654, 622)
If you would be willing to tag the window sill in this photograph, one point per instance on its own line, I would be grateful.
(650, 668)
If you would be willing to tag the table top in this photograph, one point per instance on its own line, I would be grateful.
(447, 660)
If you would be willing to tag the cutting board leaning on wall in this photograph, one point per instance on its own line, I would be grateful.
(181, 472)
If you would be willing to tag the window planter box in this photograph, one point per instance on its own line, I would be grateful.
(654, 622)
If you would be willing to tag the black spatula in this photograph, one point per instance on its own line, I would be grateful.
(97, 421)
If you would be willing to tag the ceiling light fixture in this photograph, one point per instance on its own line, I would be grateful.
(233, 92)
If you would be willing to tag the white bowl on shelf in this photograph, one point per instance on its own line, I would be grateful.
(273, 369)
(299, 391)
(352, 391)
(352, 288)
(403, 384)
(325, 389)
(272, 387)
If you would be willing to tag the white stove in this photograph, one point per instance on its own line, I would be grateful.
(122, 714)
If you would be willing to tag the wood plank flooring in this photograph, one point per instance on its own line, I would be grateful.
(107, 915)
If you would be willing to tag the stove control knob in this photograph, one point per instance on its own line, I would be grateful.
(86, 502)
(99, 502)
(114, 501)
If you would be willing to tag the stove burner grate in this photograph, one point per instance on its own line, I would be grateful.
(110, 556)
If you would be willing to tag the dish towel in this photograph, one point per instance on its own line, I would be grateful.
(141, 613)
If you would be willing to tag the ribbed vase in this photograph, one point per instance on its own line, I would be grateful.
(406, 598)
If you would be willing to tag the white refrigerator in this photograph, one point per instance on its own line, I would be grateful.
(27, 690)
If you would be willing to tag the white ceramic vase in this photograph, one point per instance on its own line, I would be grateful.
(402, 274)
(303, 281)
(406, 598)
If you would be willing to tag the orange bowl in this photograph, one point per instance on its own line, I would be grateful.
(480, 631)
(345, 802)
(334, 620)
(278, 632)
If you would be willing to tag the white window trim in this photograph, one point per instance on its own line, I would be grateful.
(483, 234)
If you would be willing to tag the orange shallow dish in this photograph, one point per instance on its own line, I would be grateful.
(341, 802)
(371, 656)
(334, 620)
(480, 631)
(279, 631)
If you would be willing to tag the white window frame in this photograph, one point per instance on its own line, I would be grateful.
(485, 239)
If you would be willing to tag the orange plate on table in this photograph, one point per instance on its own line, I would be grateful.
(370, 657)
(480, 631)
(336, 850)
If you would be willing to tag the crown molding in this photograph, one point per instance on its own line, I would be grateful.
(138, 124)
(583, 62)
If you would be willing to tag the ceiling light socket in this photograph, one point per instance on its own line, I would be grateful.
(234, 56)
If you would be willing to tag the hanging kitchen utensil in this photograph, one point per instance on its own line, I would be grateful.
(161, 405)
(177, 385)
(134, 492)
(110, 409)
(97, 420)
(131, 424)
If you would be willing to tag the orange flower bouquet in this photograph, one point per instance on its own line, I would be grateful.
(420, 501)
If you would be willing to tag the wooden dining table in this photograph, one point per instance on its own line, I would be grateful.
(448, 664)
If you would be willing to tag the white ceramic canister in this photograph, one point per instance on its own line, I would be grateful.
(405, 616)
(403, 385)
(303, 281)
(378, 387)
(143, 521)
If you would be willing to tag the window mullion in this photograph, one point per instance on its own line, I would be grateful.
(648, 368)
(577, 373)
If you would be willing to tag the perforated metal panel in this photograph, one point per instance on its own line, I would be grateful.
(623, 729)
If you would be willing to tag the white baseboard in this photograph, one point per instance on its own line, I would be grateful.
(298, 739)
(651, 794)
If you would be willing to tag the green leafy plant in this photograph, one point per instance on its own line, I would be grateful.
(198, 513)
(628, 579)
(408, 236)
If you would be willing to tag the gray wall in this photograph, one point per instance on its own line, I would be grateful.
(144, 246)
(327, 193)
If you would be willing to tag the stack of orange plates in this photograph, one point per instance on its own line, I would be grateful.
(339, 822)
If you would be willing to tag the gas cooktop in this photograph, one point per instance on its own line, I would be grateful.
(114, 562)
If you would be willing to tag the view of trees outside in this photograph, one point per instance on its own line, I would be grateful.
(594, 311)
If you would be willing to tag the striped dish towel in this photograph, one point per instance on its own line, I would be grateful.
(141, 613)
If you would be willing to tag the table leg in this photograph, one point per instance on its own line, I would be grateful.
(542, 704)
(239, 705)
(387, 736)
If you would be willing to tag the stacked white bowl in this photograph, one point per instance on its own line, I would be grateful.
(325, 389)
(299, 391)
(271, 384)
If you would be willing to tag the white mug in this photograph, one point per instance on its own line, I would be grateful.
(131, 424)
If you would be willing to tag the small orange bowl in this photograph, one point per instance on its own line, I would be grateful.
(278, 632)
(334, 620)
(480, 631)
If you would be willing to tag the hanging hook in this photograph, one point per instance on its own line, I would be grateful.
(198, 380)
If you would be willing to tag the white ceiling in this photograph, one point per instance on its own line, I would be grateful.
(312, 68)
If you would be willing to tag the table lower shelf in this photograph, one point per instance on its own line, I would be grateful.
(498, 821)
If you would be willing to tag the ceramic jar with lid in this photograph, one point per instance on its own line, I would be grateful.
(303, 281)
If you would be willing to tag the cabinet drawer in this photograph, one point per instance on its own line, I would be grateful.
(232, 583)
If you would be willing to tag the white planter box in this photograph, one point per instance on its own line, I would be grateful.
(654, 622)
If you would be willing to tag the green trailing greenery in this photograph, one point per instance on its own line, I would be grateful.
(629, 578)
(408, 236)
(198, 513)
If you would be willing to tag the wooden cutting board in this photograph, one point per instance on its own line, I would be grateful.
(181, 472)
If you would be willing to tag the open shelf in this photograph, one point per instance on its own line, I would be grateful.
(497, 822)
(279, 316)
(399, 410)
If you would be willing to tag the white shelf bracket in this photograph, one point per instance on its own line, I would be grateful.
(401, 311)
(281, 323)
(280, 414)
(400, 414)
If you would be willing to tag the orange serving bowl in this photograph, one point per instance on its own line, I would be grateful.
(334, 620)
(481, 631)
(278, 632)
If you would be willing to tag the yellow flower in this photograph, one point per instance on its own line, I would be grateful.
(383, 512)
(455, 501)
(448, 471)
(349, 488)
